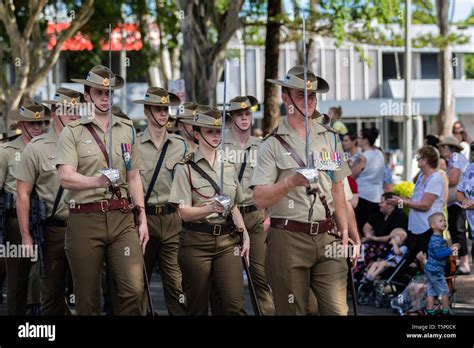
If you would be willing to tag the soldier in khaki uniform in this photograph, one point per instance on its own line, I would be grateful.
(160, 152)
(242, 149)
(207, 248)
(37, 171)
(187, 111)
(31, 119)
(303, 225)
(101, 225)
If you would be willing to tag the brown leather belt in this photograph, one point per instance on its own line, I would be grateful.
(102, 206)
(312, 228)
(216, 230)
(159, 209)
(247, 209)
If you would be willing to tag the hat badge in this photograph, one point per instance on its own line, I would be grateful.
(309, 84)
(243, 105)
(217, 122)
(168, 124)
(106, 82)
(196, 117)
(73, 101)
(164, 99)
(37, 114)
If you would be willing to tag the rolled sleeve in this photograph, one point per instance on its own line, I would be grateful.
(135, 160)
(27, 169)
(181, 188)
(265, 172)
(66, 151)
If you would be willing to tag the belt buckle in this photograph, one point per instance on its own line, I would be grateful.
(158, 209)
(218, 233)
(311, 228)
(102, 209)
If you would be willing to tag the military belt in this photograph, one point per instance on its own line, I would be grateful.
(312, 228)
(216, 230)
(102, 206)
(247, 209)
(159, 209)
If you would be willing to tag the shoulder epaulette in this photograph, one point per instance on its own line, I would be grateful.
(328, 128)
(186, 158)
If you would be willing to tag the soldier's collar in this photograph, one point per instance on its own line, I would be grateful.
(197, 155)
(88, 119)
(230, 139)
(16, 144)
(147, 137)
(285, 128)
(51, 136)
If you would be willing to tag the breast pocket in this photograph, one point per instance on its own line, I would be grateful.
(86, 149)
(285, 162)
(48, 167)
(204, 188)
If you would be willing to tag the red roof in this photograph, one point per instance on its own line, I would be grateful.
(80, 42)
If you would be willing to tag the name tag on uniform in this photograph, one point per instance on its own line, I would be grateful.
(51, 157)
(87, 141)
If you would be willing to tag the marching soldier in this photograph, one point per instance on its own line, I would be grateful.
(31, 119)
(160, 152)
(37, 171)
(242, 149)
(208, 245)
(101, 224)
(187, 112)
(305, 218)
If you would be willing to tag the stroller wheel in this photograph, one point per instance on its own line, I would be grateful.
(363, 295)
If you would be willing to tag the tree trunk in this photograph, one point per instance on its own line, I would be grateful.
(446, 111)
(271, 102)
(203, 52)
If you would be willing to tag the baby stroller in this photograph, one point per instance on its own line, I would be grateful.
(391, 283)
(412, 301)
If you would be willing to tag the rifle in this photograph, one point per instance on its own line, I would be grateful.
(6, 204)
(37, 219)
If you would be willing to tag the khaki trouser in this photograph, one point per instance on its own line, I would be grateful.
(18, 270)
(56, 268)
(203, 256)
(91, 239)
(296, 262)
(254, 224)
(163, 248)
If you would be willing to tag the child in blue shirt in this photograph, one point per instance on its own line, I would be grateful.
(438, 253)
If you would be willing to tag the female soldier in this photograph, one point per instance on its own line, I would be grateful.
(209, 248)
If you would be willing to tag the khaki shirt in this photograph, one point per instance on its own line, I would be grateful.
(236, 154)
(203, 193)
(37, 166)
(150, 155)
(10, 156)
(274, 163)
(79, 149)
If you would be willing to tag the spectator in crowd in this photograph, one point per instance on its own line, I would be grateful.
(335, 113)
(390, 217)
(352, 150)
(368, 173)
(457, 164)
(397, 239)
(355, 191)
(431, 140)
(465, 195)
(427, 199)
(462, 137)
(438, 253)
(387, 173)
